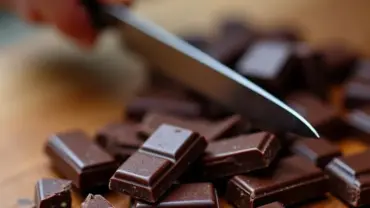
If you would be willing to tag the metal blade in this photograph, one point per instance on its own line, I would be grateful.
(207, 76)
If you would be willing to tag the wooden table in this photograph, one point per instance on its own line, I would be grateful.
(42, 90)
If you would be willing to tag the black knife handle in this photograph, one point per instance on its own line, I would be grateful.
(95, 10)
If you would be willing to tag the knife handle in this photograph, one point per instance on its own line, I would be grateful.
(95, 10)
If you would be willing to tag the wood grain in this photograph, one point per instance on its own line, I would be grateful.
(42, 90)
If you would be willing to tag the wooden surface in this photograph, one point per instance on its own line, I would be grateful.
(42, 90)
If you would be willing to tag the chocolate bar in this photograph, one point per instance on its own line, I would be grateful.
(120, 140)
(52, 192)
(238, 155)
(211, 130)
(339, 61)
(318, 151)
(272, 205)
(292, 181)
(138, 107)
(96, 201)
(148, 173)
(320, 114)
(79, 159)
(269, 64)
(349, 178)
(199, 195)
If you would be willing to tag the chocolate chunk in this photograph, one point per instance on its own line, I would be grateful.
(211, 130)
(120, 140)
(356, 93)
(359, 120)
(96, 201)
(269, 64)
(318, 151)
(228, 47)
(339, 61)
(199, 195)
(200, 42)
(284, 33)
(53, 193)
(148, 173)
(272, 205)
(292, 181)
(239, 155)
(349, 178)
(320, 114)
(138, 107)
(312, 71)
(80, 160)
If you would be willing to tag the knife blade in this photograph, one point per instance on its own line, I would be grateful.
(205, 75)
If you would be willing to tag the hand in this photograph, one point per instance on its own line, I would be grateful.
(69, 16)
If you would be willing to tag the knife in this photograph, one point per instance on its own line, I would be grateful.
(200, 72)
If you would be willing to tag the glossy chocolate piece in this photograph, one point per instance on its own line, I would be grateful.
(359, 120)
(292, 181)
(151, 171)
(96, 201)
(320, 114)
(272, 205)
(138, 107)
(312, 69)
(197, 195)
(239, 155)
(339, 61)
(349, 178)
(318, 151)
(76, 157)
(211, 130)
(356, 93)
(120, 140)
(50, 192)
(269, 64)
(229, 46)
(361, 70)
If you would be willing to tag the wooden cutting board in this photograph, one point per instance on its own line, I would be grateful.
(47, 85)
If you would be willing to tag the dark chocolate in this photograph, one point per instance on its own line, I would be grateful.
(272, 205)
(269, 64)
(197, 195)
(200, 42)
(96, 201)
(138, 107)
(76, 157)
(151, 171)
(120, 140)
(50, 192)
(234, 25)
(238, 155)
(359, 120)
(292, 181)
(318, 151)
(349, 178)
(320, 114)
(211, 130)
(356, 93)
(339, 61)
(284, 33)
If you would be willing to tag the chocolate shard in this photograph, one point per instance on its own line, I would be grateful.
(319, 113)
(339, 60)
(51, 192)
(120, 140)
(197, 195)
(76, 157)
(356, 93)
(292, 181)
(96, 201)
(151, 171)
(272, 205)
(359, 120)
(318, 151)
(269, 64)
(138, 107)
(211, 130)
(349, 178)
(238, 155)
